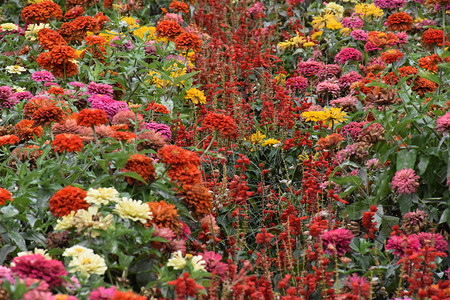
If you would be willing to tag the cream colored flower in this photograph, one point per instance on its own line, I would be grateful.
(134, 210)
(88, 264)
(16, 69)
(33, 29)
(91, 220)
(66, 222)
(102, 196)
(18, 89)
(77, 250)
(198, 263)
(9, 26)
(42, 252)
(177, 261)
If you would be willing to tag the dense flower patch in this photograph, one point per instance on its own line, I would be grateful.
(211, 149)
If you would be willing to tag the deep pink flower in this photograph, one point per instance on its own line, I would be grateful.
(402, 243)
(42, 76)
(352, 22)
(309, 68)
(443, 123)
(359, 35)
(99, 89)
(102, 293)
(296, 83)
(337, 240)
(38, 267)
(214, 264)
(435, 239)
(405, 181)
(347, 54)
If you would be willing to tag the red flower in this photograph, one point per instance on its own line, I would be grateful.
(400, 22)
(26, 130)
(5, 195)
(67, 200)
(178, 6)
(187, 40)
(391, 56)
(48, 114)
(185, 286)
(168, 29)
(223, 123)
(263, 237)
(92, 117)
(129, 295)
(67, 142)
(174, 155)
(41, 12)
(59, 61)
(142, 165)
(74, 12)
(9, 139)
(433, 37)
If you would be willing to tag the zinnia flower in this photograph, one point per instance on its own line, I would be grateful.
(400, 22)
(92, 117)
(5, 195)
(164, 215)
(220, 122)
(168, 29)
(102, 196)
(197, 198)
(196, 96)
(347, 54)
(9, 139)
(142, 165)
(443, 123)
(187, 41)
(391, 56)
(433, 37)
(66, 200)
(401, 244)
(42, 12)
(337, 241)
(405, 181)
(134, 210)
(67, 142)
(48, 114)
(87, 264)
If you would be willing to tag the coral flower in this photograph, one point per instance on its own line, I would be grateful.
(422, 86)
(198, 199)
(179, 6)
(430, 62)
(168, 29)
(49, 39)
(74, 12)
(222, 123)
(164, 215)
(27, 130)
(67, 142)
(66, 200)
(60, 61)
(129, 295)
(187, 41)
(142, 165)
(433, 37)
(9, 139)
(48, 114)
(405, 181)
(174, 155)
(391, 56)
(42, 12)
(400, 22)
(5, 195)
(92, 117)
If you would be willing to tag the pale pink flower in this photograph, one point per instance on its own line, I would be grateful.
(405, 181)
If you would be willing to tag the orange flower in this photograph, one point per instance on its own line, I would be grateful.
(76, 30)
(185, 173)
(5, 195)
(156, 107)
(67, 200)
(91, 117)
(95, 40)
(168, 29)
(178, 6)
(67, 142)
(48, 39)
(41, 12)
(174, 155)
(124, 135)
(433, 37)
(59, 61)
(198, 199)
(26, 130)
(164, 215)
(330, 141)
(391, 56)
(56, 90)
(9, 139)
(223, 123)
(34, 104)
(422, 86)
(141, 165)
(74, 12)
(119, 295)
(48, 114)
(187, 41)
(430, 62)
(400, 22)
(382, 39)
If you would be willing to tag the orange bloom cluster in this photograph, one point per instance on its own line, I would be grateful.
(405, 71)
(183, 164)
(56, 90)
(422, 86)
(96, 47)
(9, 139)
(430, 62)
(391, 56)
(119, 295)
(48, 114)
(198, 199)
(400, 22)
(156, 107)
(26, 130)
(5, 195)
(223, 123)
(168, 29)
(433, 37)
(382, 39)
(49, 39)
(59, 61)
(92, 117)
(76, 30)
(124, 136)
(187, 41)
(179, 6)
(34, 104)
(67, 142)
(330, 141)
(164, 215)
(141, 165)
(67, 200)
(41, 12)
(74, 12)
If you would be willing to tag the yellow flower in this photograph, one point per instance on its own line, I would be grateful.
(66, 222)
(134, 210)
(33, 29)
(257, 137)
(345, 31)
(196, 96)
(334, 25)
(313, 116)
(87, 264)
(77, 250)
(18, 89)
(108, 35)
(9, 26)
(281, 78)
(368, 10)
(102, 196)
(334, 115)
(316, 35)
(131, 22)
(177, 261)
(318, 22)
(308, 44)
(35, 1)
(270, 142)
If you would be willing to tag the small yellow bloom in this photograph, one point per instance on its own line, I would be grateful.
(345, 31)
(77, 250)
(257, 137)
(316, 35)
(334, 25)
(308, 44)
(130, 22)
(196, 96)
(368, 10)
(33, 29)
(270, 142)
(9, 26)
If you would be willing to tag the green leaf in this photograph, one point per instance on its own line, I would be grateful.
(4, 251)
(430, 76)
(355, 210)
(405, 202)
(406, 159)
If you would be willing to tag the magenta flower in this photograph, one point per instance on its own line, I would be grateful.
(359, 35)
(38, 267)
(337, 240)
(309, 68)
(102, 293)
(6, 273)
(401, 244)
(296, 83)
(352, 22)
(434, 239)
(347, 54)
(100, 89)
(214, 264)
(405, 181)
(42, 76)
(390, 4)
(162, 129)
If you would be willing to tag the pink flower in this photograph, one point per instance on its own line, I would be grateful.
(102, 293)
(327, 87)
(337, 240)
(99, 89)
(37, 267)
(434, 239)
(214, 264)
(297, 83)
(165, 233)
(359, 35)
(309, 68)
(352, 22)
(405, 181)
(6, 273)
(42, 76)
(401, 244)
(443, 123)
(347, 54)
(38, 295)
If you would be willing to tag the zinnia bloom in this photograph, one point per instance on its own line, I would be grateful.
(161, 129)
(102, 196)
(5, 195)
(222, 123)
(67, 142)
(142, 165)
(337, 241)
(433, 37)
(92, 117)
(174, 155)
(87, 264)
(196, 96)
(430, 62)
(164, 215)
(38, 267)
(400, 22)
(402, 243)
(27, 130)
(168, 29)
(198, 199)
(391, 56)
(405, 181)
(347, 54)
(49, 39)
(187, 41)
(134, 210)
(41, 12)
(48, 114)
(443, 123)
(67, 200)
(9, 139)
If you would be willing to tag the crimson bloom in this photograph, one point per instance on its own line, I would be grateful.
(185, 286)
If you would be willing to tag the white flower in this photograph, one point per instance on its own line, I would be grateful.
(15, 69)
(177, 261)
(77, 250)
(36, 251)
(134, 210)
(33, 29)
(66, 222)
(102, 196)
(87, 264)
(9, 26)
(198, 263)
